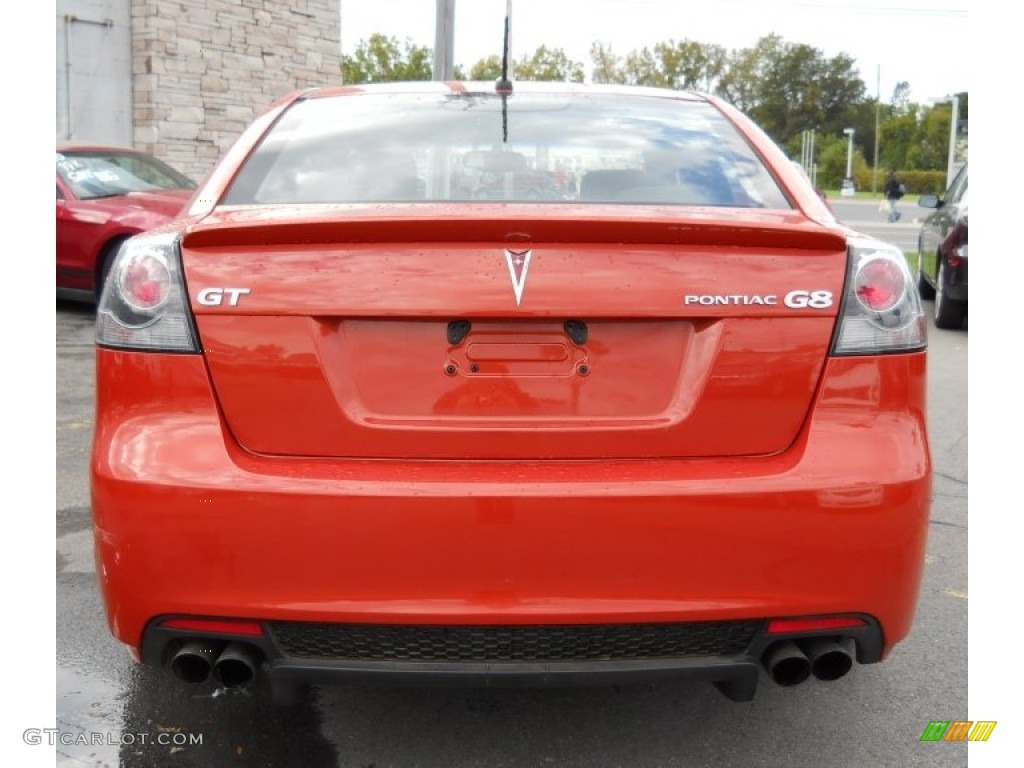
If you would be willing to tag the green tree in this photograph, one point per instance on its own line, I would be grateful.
(548, 64)
(900, 101)
(788, 88)
(841, 96)
(861, 117)
(640, 68)
(690, 66)
(899, 135)
(486, 69)
(832, 156)
(607, 66)
(930, 151)
(679, 65)
(832, 153)
(384, 60)
(741, 83)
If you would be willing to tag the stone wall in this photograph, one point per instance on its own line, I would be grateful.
(203, 69)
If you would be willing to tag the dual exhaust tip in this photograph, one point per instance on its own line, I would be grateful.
(792, 662)
(232, 666)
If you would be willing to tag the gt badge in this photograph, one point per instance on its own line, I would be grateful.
(518, 266)
(217, 297)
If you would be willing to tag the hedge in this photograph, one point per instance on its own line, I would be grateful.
(917, 182)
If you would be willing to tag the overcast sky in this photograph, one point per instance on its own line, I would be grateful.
(912, 40)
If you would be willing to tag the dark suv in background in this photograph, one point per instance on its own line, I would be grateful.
(942, 253)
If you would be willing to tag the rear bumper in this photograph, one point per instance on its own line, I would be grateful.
(188, 524)
(734, 670)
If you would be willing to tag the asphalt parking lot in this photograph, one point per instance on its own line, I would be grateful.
(874, 716)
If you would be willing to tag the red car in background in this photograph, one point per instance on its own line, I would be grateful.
(354, 423)
(104, 196)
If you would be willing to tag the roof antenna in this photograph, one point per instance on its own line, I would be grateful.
(504, 85)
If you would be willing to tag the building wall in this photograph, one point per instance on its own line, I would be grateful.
(94, 71)
(203, 69)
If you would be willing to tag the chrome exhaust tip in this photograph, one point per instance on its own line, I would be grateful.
(830, 659)
(236, 666)
(787, 664)
(193, 661)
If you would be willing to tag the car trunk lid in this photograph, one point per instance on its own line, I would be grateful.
(489, 332)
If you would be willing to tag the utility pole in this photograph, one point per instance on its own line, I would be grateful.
(444, 41)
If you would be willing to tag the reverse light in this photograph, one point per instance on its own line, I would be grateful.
(143, 303)
(881, 309)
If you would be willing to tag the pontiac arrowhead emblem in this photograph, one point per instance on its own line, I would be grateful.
(518, 266)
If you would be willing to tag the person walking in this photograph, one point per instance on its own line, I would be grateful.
(893, 191)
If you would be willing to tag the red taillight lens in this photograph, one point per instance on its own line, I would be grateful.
(145, 282)
(215, 626)
(144, 306)
(787, 626)
(879, 285)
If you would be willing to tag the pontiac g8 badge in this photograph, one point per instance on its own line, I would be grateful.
(518, 266)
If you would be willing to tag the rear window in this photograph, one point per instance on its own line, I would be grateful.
(531, 147)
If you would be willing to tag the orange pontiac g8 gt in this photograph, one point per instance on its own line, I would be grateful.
(369, 410)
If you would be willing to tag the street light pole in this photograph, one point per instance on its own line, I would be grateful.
(848, 185)
(849, 153)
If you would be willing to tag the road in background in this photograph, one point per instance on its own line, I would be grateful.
(864, 216)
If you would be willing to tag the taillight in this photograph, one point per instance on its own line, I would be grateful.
(956, 241)
(143, 302)
(879, 285)
(881, 310)
(144, 282)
